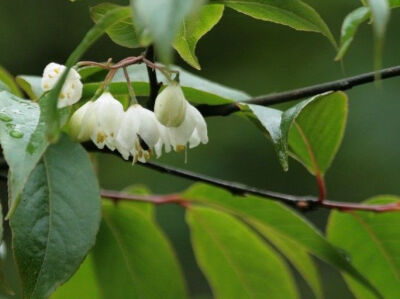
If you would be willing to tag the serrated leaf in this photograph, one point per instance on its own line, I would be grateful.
(133, 259)
(122, 33)
(236, 262)
(313, 130)
(196, 89)
(293, 13)
(371, 240)
(349, 28)
(161, 20)
(193, 29)
(280, 219)
(82, 285)
(56, 224)
(7, 83)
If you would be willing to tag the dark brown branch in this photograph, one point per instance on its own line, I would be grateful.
(154, 84)
(282, 97)
(300, 202)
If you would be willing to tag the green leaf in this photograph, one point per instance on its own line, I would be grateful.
(380, 11)
(313, 130)
(193, 29)
(299, 257)
(56, 223)
(31, 85)
(269, 120)
(371, 241)
(275, 217)
(18, 119)
(82, 285)
(394, 3)
(161, 20)
(236, 262)
(293, 13)
(7, 83)
(196, 89)
(133, 259)
(349, 28)
(122, 33)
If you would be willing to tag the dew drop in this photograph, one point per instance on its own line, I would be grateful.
(4, 117)
(16, 134)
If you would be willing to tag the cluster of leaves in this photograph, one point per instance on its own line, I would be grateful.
(55, 206)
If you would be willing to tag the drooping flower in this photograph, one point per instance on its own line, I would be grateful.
(71, 91)
(193, 130)
(170, 106)
(82, 122)
(106, 113)
(140, 134)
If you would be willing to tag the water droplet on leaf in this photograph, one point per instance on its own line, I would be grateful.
(4, 117)
(16, 134)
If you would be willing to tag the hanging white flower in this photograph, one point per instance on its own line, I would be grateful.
(170, 106)
(82, 122)
(71, 91)
(139, 134)
(193, 130)
(106, 113)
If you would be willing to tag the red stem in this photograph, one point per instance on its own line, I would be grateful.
(154, 199)
(178, 199)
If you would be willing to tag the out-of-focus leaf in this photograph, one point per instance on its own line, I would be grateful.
(161, 20)
(313, 130)
(193, 29)
(133, 259)
(349, 28)
(380, 12)
(293, 13)
(371, 240)
(82, 285)
(196, 89)
(122, 33)
(56, 223)
(7, 83)
(236, 262)
(31, 85)
(277, 218)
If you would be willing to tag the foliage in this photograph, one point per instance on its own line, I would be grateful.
(69, 242)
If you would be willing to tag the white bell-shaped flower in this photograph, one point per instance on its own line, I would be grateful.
(106, 113)
(82, 122)
(139, 134)
(170, 106)
(193, 130)
(71, 91)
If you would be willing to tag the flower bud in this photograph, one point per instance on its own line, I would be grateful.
(170, 106)
(71, 91)
(82, 122)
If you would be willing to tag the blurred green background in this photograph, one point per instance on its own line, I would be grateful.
(256, 57)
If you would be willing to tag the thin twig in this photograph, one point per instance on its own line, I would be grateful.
(300, 202)
(282, 97)
(154, 84)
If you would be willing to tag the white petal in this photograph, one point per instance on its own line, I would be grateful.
(76, 123)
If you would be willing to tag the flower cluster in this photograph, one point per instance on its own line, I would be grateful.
(137, 132)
